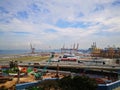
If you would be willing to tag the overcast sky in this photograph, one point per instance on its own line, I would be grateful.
(53, 23)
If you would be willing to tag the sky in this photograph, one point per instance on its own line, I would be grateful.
(50, 24)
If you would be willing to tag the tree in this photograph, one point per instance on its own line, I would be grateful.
(46, 85)
(77, 83)
(67, 83)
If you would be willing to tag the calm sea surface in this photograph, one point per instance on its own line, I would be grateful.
(7, 52)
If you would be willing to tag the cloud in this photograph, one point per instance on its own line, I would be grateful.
(54, 23)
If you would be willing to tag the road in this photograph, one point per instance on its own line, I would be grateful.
(68, 65)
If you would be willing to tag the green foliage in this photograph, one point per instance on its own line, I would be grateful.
(68, 83)
(45, 85)
(6, 71)
(48, 84)
(77, 83)
(13, 70)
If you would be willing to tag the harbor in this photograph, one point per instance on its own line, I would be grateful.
(57, 65)
(60, 45)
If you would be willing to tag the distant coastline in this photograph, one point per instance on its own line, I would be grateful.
(12, 52)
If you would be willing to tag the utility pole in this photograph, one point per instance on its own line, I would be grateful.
(57, 71)
(18, 72)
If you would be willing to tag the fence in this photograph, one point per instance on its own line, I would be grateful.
(110, 86)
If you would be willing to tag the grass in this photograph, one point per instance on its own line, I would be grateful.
(26, 58)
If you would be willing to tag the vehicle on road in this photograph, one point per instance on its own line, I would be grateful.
(68, 57)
